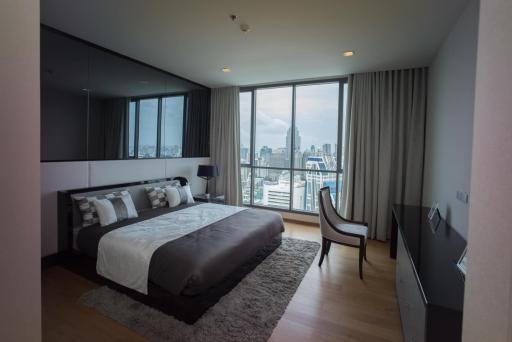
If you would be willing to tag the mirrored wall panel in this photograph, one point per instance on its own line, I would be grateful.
(99, 105)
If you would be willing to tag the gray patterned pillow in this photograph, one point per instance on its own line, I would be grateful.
(88, 210)
(157, 196)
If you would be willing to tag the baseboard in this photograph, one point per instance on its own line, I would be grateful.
(305, 223)
(51, 260)
(301, 218)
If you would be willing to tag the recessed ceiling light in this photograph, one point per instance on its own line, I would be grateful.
(348, 53)
(226, 69)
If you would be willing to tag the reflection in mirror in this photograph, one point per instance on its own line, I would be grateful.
(64, 81)
(148, 128)
(98, 105)
(197, 124)
(173, 111)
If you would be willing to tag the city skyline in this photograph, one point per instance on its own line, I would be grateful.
(316, 115)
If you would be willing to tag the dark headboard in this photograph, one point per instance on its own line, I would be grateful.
(69, 216)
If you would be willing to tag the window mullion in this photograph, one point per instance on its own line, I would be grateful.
(253, 147)
(292, 149)
(184, 123)
(159, 128)
(136, 142)
(339, 150)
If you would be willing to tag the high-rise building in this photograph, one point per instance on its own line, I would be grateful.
(246, 184)
(266, 153)
(279, 158)
(326, 149)
(244, 155)
(296, 143)
(317, 178)
(277, 194)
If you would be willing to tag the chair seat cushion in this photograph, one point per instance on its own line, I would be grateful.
(352, 229)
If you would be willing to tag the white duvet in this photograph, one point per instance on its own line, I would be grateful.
(124, 254)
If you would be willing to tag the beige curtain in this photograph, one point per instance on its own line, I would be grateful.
(225, 142)
(384, 139)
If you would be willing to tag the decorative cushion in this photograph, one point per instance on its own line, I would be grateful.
(156, 194)
(190, 198)
(112, 210)
(176, 195)
(88, 210)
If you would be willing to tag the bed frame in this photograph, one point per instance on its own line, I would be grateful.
(185, 308)
(69, 215)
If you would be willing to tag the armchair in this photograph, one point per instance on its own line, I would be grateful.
(337, 229)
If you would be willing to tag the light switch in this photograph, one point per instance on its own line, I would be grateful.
(463, 196)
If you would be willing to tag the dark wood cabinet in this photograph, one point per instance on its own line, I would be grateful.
(429, 288)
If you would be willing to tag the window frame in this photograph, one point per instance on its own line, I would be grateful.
(160, 98)
(342, 81)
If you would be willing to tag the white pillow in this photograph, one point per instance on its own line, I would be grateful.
(174, 197)
(112, 210)
(178, 195)
(190, 198)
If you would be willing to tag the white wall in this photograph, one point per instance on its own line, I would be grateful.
(449, 129)
(20, 263)
(488, 296)
(57, 176)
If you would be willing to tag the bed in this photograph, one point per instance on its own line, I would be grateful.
(212, 248)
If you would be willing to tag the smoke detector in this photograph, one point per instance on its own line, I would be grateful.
(245, 28)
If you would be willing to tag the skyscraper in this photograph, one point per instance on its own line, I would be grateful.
(244, 154)
(316, 179)
(296, 153)
(289, 140)
(326, 149)
(266, 153)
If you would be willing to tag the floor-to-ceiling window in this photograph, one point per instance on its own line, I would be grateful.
(291, 143)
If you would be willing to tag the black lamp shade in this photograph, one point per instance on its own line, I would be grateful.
(207, 171)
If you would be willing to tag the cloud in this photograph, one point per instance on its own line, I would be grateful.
(316, 115)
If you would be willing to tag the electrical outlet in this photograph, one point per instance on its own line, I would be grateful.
(462, 196)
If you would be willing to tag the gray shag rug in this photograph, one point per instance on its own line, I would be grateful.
(249, 312)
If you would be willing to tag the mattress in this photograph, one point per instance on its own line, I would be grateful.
(197, 261)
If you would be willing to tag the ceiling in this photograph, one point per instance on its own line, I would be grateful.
(289, 39)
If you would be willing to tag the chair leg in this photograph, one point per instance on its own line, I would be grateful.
(328, 247)
(361, 255)
(365, 253)
(322, 253)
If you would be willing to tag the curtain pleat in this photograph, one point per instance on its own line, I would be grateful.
(114, 125)
(225, 143)
(383, 154)
(197, 123)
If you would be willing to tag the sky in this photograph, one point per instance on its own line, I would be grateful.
(316, 115)
(172, 121)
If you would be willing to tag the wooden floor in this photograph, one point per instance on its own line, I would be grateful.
(331, 304)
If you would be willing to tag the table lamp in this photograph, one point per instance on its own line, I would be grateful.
(207, 172)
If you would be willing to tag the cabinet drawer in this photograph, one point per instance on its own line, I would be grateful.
(410, 298)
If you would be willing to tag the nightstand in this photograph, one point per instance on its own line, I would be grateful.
(219, 199)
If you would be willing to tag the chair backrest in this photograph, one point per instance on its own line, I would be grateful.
(326, 209)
